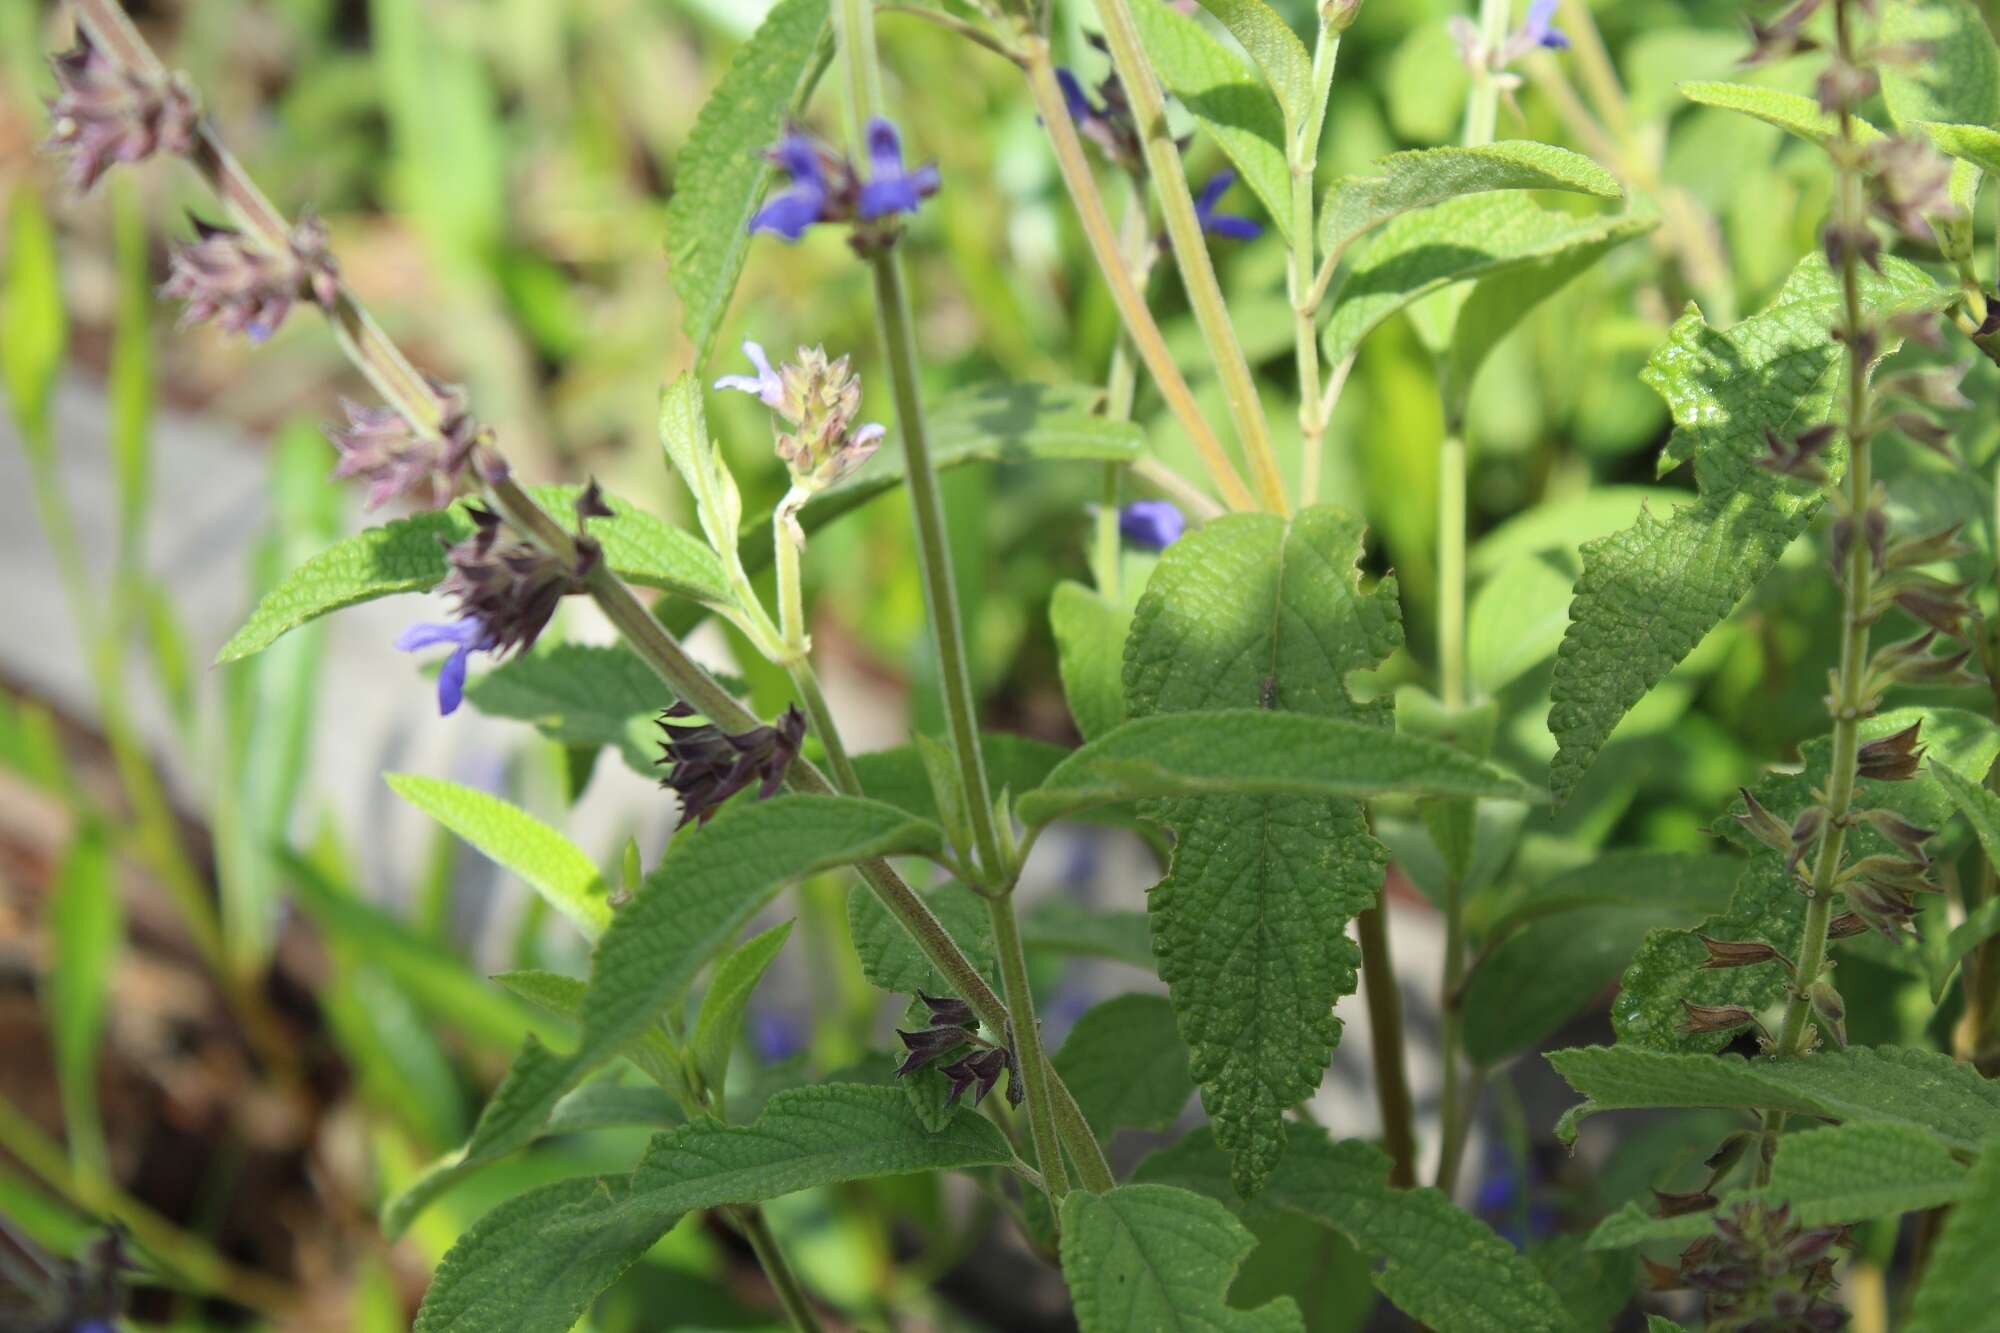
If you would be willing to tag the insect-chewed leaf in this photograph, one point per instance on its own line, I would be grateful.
(1651, 593)
(1226, 100)
(1956, 1293)
(1126, 1065)
(1401, 182)
(1828, 1177)
(408, 556)
(1249, 924)
(720, 175)
(1788, 111)
(535, 1263)
(706, 888)
(1926, 1090)
(1154, 1257)
(1439, 1264)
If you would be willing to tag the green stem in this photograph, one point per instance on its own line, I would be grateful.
(1304, 159)
(1482, 104)
(1385, 1031)
(806, 681)
(1027, 1039)
(756, 1230)
(1451, 570)
(1190, 247)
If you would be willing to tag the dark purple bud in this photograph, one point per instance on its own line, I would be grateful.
(1152, 525)
(927, 1046)
(1737, 953)
(1714, 1017)
(226, 277)
(1804, 833)
(979, 1073)
(1762, 825)
(1846, 926)
(1936, 603)
(381, 448)
(1782, 36)
(949, 1011)
(1908, 552)
(1679, 1205)
(103, 114)
(709, 765)
(1893, 758)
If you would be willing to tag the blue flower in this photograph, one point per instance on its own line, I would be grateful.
(467, 636)
(766, 385)
(1110, 125)
(802, 203)
(1223, 224)
(1539, 30)
(825, 186)
(890, 188)
(1152, 524)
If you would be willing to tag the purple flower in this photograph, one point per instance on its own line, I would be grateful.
(380, 447)
(1151, 524)
(466, 636)
(804, 202)
(707, 765)
(104, 114)
(825, 186)
(766, 386)
(1539, 30)
(1223, 224)
(890, 188)
(226, 277)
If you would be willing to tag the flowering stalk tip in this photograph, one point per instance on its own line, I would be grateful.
(104, 114)
(826, 186)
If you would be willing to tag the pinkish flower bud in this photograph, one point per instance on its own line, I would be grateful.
(103, 114)
(379, 446)
(227, 277)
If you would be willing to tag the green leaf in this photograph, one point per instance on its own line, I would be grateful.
(562, 996)
(1651, 593)
(1926, 1090)
(1064, 927)
(1788, 111)
(1090, 633)
(1225, 99)
(581, 695)
(86, 924)
(1956, 1293)
(1402, 182)
(1249, 924)
(684, 437)
(1981, 809)
(712, 880)
(534, 1264)
(1670, 966)
(551, 864)
(1276, 51)
(1437, 1263)
(34, 326)
(897, 776)
(1957, 79)
(408, 556)
(720, 1023)
(891, 959)
(605, 1103)
(719, 174)
(1460, 239)
(1968, 143)
(1830, 1176)
(1126, 1065)
(1151, 1257)
(1259, 752)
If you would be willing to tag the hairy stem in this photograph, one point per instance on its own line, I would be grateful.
(1303, 159)
(1190, 247)
(1026, 1036)
(1385, 1031)
(1125, 294)
(1482, 104)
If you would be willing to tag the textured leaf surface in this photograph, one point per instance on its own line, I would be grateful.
(1895, 1085)
(1226, 100)
(581, 694)
(1249, 924)
(1438, 1263)
(720, 172)
(1956, 1294)
(1766, 907)
(728, 997)
(1150, 1258)
(896, 777)
(534, 1264)
(1275, 49)
(1062, 927)
(1126, 1065)
(1090, 635)
(1968, 143)
(1401, 182)
(552, 865)
(408, 556)
(1649, 594)
(1957, 80)
(712, 880)
(891, 960)
(1846, 1173)
(1257, 751)
(1788, 111)
(1460, 239)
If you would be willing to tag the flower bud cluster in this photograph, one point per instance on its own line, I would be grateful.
(1761, 1270)
(974, 1063)
(226, 277)
(707, 765)
(104, 114)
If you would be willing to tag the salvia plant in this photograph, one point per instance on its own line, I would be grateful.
(1823, 990)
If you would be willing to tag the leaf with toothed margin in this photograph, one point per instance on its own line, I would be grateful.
(713, 879)
(408, 556)
(1790, 112)
(534, 1264)
(1402, 182)
(1649, 594)
(1151, 1257)
(1249, 924)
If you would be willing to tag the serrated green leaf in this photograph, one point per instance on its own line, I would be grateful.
(1126, 1065)
(1975, 144)
(1151, 1257)
(1090, 634)
(534, 1264)
(1957, 78)
(1956, 1293)
(1926, 1090)
(581, 695)
(1651, 593)
(408, 556)
(712, 880)
(1402, 182)
(1063, 927)
(552, 865)
(1276, 51)
(34, 326)
(719, 174)
(86, 925)
(1830, 1176)
(1238, 752)
(562, 996)
(1766, 907)
(1788, 111)
(720, 1022)
(1249, 924)
(1469, 237)
(891, 959)
(1226, 100)
(1438, 1263)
